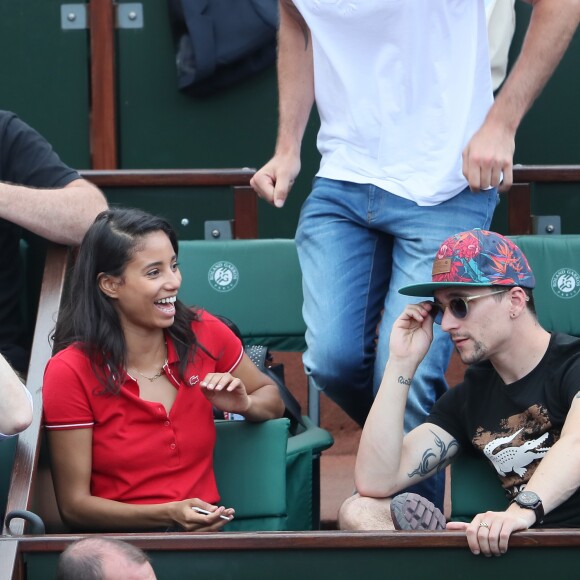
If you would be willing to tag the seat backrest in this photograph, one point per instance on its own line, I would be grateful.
(7, 451)
(475, 488)
(250, 469)
(255, 283)
(555, 261)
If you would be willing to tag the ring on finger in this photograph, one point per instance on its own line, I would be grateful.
(483, 525)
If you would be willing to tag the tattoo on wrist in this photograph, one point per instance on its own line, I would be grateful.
(441, 458)
(403, 381)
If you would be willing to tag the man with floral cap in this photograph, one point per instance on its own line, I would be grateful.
(518, 405)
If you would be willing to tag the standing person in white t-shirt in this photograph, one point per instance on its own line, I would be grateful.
(413, 148)
(15, 402)
(501, 25)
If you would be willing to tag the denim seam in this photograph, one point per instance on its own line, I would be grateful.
(367, 295)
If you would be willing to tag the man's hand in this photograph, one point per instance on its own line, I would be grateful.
(489, 533)
(488, 155)
(274, 181)
(412, 333)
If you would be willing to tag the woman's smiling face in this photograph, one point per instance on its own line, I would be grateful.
(145, 293)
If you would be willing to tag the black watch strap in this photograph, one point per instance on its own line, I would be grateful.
(531, 501)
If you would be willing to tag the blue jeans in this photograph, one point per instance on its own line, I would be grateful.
(358, 244)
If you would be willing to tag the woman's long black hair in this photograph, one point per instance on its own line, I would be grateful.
(89, 317)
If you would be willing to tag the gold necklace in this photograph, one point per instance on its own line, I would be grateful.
(155, 376)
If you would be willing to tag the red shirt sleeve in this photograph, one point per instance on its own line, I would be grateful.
(219, 341)
(68, 379)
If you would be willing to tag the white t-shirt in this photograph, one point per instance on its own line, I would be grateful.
(501, 25)
(401, 86)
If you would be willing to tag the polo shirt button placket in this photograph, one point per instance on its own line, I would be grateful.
(172, 446)
(167, 423)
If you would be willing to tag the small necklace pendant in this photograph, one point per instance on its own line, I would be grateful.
(154, 377)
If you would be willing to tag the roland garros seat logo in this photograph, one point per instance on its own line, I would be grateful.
(566, 283)
(223, 276)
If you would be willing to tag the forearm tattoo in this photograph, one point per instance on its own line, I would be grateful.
(434, 460)
(404, 381)
(295, 14)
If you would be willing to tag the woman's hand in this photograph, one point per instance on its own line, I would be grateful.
(248, 392)
(185, 516)
(226, 392)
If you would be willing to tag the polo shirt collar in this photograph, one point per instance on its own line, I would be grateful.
(172, 359)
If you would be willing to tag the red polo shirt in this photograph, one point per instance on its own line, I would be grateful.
(140, 453)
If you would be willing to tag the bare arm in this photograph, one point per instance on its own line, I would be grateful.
(295, 78)
(70, 455)
(296, 97)
(556, 478)
(490, 151)
(15, 406)
(61, 215)
(387, 461)
(246, 391)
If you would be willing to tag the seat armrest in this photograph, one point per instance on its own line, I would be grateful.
(313, 439)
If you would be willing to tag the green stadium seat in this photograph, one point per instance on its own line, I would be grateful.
(250, 469)
(255, 283)
(555, 261)
(258, 285)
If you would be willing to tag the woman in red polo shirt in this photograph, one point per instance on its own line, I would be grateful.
(128, 397)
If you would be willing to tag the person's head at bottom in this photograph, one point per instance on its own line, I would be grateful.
(96, 558)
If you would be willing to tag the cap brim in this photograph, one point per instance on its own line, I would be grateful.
(429, 289)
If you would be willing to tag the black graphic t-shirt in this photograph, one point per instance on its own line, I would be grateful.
(515, 425)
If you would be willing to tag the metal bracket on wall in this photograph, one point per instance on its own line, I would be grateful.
(73, 17)
(546, 225)
(218, 230)
(130, 15)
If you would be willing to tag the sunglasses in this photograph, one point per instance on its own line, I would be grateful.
(459, 306)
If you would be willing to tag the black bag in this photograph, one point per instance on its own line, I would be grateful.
(262, 358)
(220, 42)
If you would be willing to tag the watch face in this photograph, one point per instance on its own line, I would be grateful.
(527, 498)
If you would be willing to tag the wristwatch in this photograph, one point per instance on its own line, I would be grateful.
(530, 501)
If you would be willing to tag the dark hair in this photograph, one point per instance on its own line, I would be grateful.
(89, 317)
(83, 559)
(530, 303)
